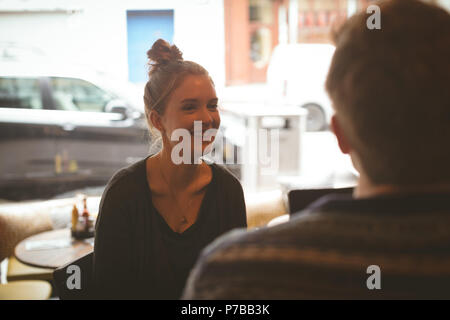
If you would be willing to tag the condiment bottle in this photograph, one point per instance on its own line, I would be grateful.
(85, 214)
(74, 217)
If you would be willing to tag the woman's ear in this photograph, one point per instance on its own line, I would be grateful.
(155, 120)
(342, 140)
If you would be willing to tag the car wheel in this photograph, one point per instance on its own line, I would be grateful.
(315, 120)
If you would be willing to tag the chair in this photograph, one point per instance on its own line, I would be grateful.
(17, 222)
(302, 198)
(19, 271)
(25, 290)
(62, 275)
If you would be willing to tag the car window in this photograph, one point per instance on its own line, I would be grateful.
(78, 95)
(20, 93)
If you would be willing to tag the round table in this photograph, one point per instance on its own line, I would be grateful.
(52, 257)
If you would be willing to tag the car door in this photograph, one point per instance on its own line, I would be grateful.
(95, 142)
(27, 137)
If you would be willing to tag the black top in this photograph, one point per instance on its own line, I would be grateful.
(137, 255)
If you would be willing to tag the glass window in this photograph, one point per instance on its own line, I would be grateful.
(20, 93)
(261, 46)
(78, 95)
(261, 20)
(315, 19)
(261, 11)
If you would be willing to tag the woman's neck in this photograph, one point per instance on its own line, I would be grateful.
(177, 176)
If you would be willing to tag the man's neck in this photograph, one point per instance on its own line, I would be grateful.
(366, 189)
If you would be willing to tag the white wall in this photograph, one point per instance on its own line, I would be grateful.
(96, 33)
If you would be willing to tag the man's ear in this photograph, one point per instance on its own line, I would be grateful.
(155, 120)
(342, 140)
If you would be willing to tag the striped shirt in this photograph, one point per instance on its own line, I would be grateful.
(390, 247)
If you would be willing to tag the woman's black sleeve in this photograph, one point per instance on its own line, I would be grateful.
(112, 271)
(239, 219)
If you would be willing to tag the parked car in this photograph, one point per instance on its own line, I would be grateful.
(63, 128)
(296, 75)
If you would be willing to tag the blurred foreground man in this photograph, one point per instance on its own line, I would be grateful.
(391, 240)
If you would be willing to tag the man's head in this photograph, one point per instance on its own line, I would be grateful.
(391, 92)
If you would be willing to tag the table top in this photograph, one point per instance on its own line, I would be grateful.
(61, 249)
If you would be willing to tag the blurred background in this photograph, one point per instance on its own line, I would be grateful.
(72, 75)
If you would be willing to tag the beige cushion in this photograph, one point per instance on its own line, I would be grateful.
(18, 222)
(25, 290)
(19, 271)
(264, 206)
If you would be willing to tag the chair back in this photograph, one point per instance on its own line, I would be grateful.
(74, 280)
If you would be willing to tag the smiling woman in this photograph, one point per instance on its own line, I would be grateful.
(157, 215)
(181, 114)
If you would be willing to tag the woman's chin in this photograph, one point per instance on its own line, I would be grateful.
(203, 150)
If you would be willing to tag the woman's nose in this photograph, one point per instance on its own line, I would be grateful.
(206, 118)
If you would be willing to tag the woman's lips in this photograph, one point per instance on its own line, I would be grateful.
(199, 133)
(204, 137)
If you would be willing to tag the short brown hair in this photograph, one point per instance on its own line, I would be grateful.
(391, 92)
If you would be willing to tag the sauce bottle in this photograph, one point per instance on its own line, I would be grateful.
(85, 214)
(74, 217)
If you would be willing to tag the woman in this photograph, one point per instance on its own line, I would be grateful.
(158, 214)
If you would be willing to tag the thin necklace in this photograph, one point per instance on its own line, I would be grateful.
(184, 220)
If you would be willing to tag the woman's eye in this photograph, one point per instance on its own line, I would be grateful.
(213, 106)
(189, 107)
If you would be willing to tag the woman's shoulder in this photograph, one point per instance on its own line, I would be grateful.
(224, 174)
(128, 181)
(227, 181)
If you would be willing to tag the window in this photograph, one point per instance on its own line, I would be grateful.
(20, 93)
(261, 47)
(78, 95)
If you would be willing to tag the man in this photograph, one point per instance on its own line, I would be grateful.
(390, 88)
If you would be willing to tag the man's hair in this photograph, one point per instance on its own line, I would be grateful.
(391, 92)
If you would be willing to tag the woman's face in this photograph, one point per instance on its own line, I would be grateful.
(194, 100)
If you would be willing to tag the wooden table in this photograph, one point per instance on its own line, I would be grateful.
(53, 257)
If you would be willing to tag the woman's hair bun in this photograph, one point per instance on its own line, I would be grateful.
(162, 52)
